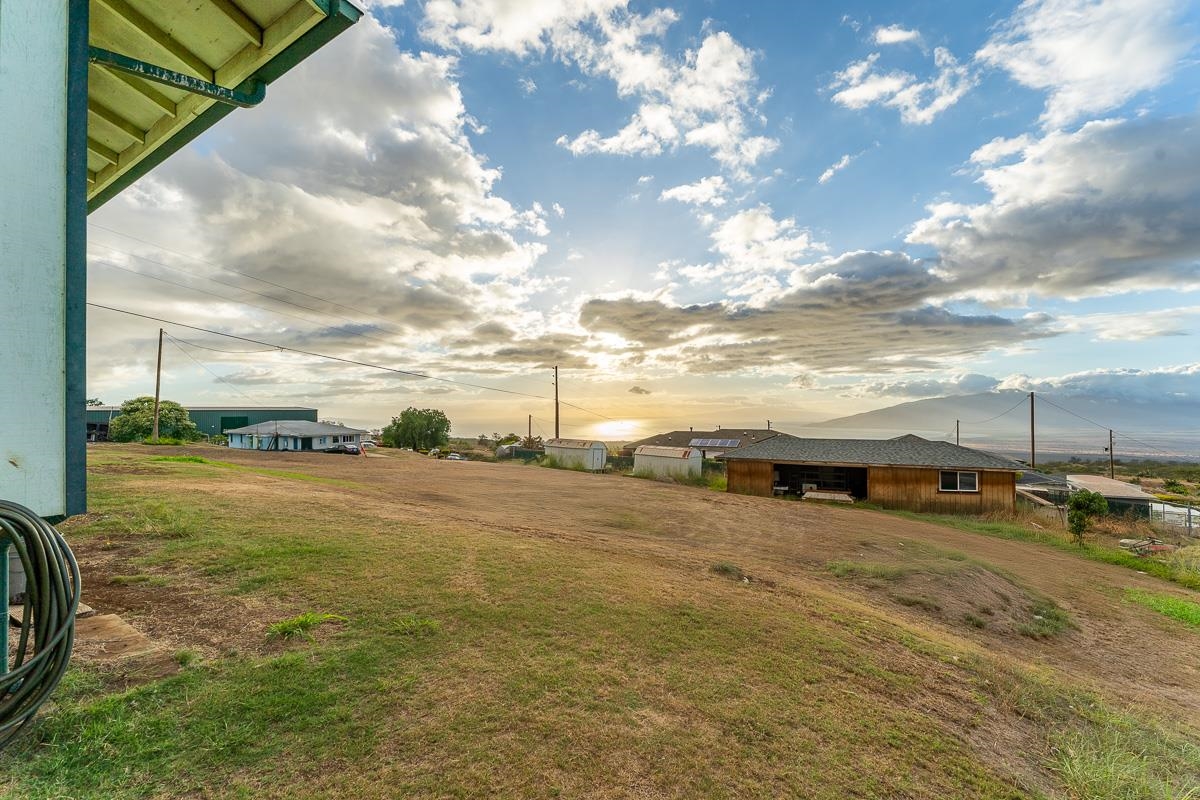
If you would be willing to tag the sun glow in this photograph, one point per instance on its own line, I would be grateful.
(616, 429)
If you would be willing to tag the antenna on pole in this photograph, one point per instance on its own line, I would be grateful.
(157, 385)
(956, 431)
(1032, 440)
(768, 424)
(556, 401)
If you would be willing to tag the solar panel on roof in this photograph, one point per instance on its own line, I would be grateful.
(714, 442)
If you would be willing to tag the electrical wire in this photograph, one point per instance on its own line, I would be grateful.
(47, 619)
(1106, 427)
(206, 369)
(998, 416)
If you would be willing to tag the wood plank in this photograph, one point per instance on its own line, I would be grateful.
(107, 153)
(143, 88)
(163, 41)
(116, 120)
(248, 27)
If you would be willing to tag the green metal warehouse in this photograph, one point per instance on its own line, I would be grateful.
(210, 420)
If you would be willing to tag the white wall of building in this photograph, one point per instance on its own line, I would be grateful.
(33, 254)
(669, 466)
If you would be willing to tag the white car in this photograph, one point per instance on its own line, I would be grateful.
(456, 457)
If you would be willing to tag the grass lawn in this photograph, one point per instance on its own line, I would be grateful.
(419, 657)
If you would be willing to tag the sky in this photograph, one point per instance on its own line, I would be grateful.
(704, 213)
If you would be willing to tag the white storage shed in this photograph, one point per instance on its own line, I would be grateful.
(668, 461)
(578, 454)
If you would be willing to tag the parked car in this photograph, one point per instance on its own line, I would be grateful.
(456, 457)
(369, 445)
(345, 449)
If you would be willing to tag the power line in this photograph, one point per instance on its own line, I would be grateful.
(1020, 403)
(206, 369)
(313, 354)
(231, 352)
(226, 299)
(1106, 428)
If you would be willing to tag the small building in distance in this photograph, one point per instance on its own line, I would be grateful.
(668, 462)
(285, 434)
(1123, 498)
(907, 472)
(585, 454)
(210, 420)
(711, 444)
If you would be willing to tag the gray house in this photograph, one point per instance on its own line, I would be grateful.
(293, 434)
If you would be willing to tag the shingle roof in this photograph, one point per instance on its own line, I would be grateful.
(903, 451)
(745, 436)
(295, 427)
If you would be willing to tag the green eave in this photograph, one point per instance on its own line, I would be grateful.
(134, 124)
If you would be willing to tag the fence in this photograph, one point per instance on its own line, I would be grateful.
(1177, 516)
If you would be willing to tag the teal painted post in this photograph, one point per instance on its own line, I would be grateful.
(4, 601)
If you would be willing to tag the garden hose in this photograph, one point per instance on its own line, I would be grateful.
(48, 619)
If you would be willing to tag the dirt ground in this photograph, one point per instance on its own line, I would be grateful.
(1126, 652)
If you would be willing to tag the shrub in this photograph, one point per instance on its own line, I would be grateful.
(300, 625)
(728, 570)
(1081, 509)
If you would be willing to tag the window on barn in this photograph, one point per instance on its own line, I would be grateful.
(952, 481)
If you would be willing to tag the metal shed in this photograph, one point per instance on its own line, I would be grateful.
(579, 454)
(668, 461)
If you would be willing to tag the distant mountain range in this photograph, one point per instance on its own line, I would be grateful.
(1065, 425)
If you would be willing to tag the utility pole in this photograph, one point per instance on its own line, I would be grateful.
(529, 435)
(1032, 440)
(956, 432)
(157, 386)
(1111, 469)
(555, 401)
(768, 424)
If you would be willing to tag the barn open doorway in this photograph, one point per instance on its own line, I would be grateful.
(796, 478)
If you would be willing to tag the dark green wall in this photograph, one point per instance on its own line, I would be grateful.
(209, 420)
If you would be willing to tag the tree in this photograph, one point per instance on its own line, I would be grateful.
(136, 421)
(418, 428)
(1081, 508)
(94, 401)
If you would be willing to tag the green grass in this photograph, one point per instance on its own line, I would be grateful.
(1046, 620)
(1176, 573)
(183, 459)
(1177, 608)
(301, 625)
(863, 569)
(585, 667)
(729, 570)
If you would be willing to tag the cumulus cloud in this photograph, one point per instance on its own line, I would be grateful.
(1111, 207)
(857, 312)
(896, 34)
(1180, 383)
(955, 384)
(638, 390)
(1133, 326)
(803, 381)
(358, 217)
(706, 191)
(705, 97)
(862, 84)
(1089, 56)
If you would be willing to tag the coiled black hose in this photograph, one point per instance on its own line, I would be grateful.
(48, 621)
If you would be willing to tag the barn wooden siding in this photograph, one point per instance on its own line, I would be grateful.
(916, 489)
(750, 477)
(912, 488)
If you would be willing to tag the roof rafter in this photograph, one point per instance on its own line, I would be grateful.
(116, 120)
(248, 27)
(166, 43)
(147, 91)
(102, 150)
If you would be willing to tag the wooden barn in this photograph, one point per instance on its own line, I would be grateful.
(907, 472)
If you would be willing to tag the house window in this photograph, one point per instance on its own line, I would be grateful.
(959, 481)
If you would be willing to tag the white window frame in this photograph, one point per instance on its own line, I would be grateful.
(958, 473)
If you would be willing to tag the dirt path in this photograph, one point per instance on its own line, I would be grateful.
(1125, 651)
